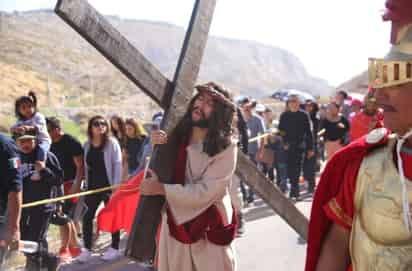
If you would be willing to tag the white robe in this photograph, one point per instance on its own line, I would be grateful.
(208, 181)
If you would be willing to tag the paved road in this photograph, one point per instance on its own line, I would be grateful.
(269, 243)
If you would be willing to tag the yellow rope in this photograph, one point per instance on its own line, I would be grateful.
(86, 193)
(258, 137)
(264, 135)
(80, 194)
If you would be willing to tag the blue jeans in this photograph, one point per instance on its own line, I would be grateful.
(282, 176)
(42, 150)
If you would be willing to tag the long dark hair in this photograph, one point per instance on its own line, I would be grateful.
(139, 131)
(30, 98)
(121, 133)
(90, 132)
(220, 127)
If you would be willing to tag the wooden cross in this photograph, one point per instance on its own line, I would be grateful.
(174, 97)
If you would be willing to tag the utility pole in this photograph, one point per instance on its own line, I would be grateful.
(91, 89)
(49, 100)
(1, 22)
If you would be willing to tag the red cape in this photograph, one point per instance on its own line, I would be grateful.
(347, 160)
(120, 211)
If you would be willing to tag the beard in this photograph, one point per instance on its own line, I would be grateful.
(201, 123)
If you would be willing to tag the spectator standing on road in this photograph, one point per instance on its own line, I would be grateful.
(366, 120)
(310, 163)
(336, 130)
(255, 128)
(69, 152)
(135, 136)
(281, 161)
(103, 168)
(268, 119)
(35, 220)
(295, 128)
(118, 130)
(342, 99)
(356, 107)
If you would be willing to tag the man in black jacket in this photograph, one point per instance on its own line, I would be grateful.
(35, 221)
(310, 163)
(295, 128)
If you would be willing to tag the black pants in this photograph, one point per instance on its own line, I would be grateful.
(34, 225)
(251, 195)
(93, 202)
(268, 170)
(295, 159)
(309, 172)
(3, 231)
(244, 191)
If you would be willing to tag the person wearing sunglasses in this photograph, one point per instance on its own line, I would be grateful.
(103, 168)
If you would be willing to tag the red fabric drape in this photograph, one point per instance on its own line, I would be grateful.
(208, 225)
(120, 211)
(346, 162)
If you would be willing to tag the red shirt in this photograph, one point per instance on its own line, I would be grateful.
(360, 124)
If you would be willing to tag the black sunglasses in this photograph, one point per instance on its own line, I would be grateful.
(99, 123)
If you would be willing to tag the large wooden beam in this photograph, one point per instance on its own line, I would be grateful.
(248, 172)
(96, 29)
(142, 242)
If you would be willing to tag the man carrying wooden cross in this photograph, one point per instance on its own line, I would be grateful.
(199, 222)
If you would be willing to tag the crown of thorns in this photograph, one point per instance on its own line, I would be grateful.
(211, 90)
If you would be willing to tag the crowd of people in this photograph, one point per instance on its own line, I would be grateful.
(360, 218)
(44, 162)
(53, 163)
(305, 134)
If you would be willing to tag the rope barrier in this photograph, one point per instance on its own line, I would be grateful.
(272, 132)
(259, 137)
(100, 190)
(87, 193)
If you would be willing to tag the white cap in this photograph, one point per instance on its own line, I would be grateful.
(260, 108)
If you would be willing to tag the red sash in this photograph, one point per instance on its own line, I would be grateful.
(208, 225)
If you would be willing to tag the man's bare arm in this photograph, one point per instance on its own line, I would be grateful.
(14, 211)
(78, 161)
(334, 254)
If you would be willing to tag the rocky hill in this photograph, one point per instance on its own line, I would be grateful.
(36, 45)
(358, 83)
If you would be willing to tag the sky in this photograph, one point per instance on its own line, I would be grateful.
(332, 38)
